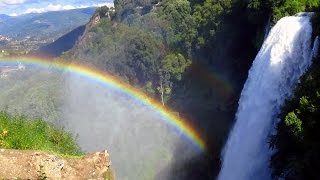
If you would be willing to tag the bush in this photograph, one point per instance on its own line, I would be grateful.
(283, 8)
(18, 132)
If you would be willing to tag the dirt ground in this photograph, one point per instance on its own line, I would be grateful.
(17, 164)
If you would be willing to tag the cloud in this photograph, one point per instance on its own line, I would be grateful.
(59, 7)
(11, 2)
(50, 7)
(13, 14)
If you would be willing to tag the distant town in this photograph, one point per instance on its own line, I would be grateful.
(5, 71)
(10, 46)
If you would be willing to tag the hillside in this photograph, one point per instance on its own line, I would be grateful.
(62, 44)
(191, 55)
(33, 93)
(164, 49)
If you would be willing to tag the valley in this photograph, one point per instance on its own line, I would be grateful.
(24, 34)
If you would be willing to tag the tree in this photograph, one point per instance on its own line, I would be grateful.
(208, 18)
(293, 123)
(165, 85)
(283, 8)
(103, 11)
(175, 64)
(182, 28)
(172, 68)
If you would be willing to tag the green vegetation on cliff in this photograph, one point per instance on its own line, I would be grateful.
(283, 8)
(19, 132)
(193, 55)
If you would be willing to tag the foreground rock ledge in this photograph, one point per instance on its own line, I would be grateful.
(17, 164)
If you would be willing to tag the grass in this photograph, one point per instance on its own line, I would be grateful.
(19, 132)
(109, 175)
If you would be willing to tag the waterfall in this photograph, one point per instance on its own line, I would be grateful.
(283, 58)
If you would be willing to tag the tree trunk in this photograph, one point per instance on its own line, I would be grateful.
(162, 92)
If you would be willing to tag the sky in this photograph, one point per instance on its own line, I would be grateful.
(19, 7)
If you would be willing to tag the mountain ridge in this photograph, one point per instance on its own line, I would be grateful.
(29, 24)
(62, 44)
(30, 31)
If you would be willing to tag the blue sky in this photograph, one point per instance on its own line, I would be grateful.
(18, 7)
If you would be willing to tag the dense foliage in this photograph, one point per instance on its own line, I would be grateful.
(288, 7)
(134, 52)
(281, 8)
(135, 46)
(18, 132)
(191, 55)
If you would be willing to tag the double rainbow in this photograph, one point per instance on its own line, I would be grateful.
(102, 77)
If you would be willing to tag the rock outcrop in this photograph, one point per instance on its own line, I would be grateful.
(17, 164)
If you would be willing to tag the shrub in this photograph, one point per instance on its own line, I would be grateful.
(18, 132)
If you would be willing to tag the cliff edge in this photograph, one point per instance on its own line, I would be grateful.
(18, 164)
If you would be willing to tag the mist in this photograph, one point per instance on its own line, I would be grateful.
(140, 143)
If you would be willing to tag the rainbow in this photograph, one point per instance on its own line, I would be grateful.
(102, 77)
(213, 79)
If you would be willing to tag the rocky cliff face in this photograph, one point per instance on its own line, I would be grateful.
(41, 165)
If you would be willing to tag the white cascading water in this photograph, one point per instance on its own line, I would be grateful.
(283, 58)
